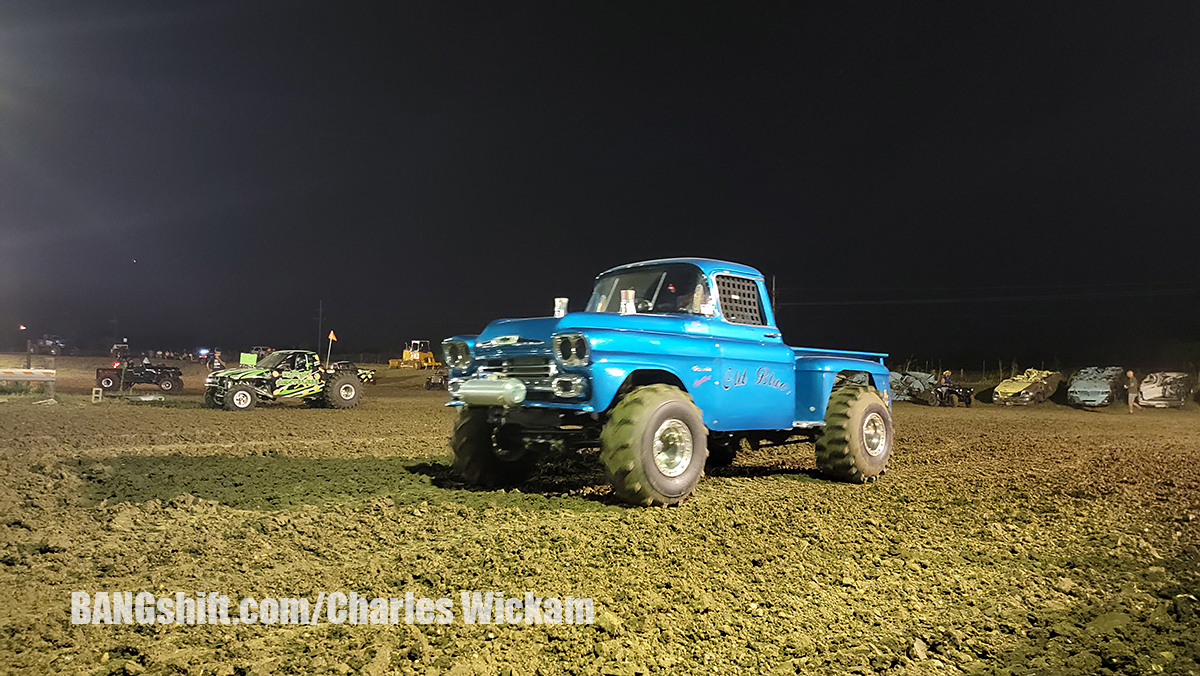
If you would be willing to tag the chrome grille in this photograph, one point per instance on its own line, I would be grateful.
(536, 372)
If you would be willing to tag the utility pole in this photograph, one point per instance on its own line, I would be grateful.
(320, 317)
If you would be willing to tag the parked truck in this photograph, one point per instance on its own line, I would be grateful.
(673, 364)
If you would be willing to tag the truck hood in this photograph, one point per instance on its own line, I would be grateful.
(1011, 387)
(538, 330)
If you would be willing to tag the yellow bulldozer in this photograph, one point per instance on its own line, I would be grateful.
(417, 355)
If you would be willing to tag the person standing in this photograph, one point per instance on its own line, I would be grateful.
(214, 361)
(1131, 388)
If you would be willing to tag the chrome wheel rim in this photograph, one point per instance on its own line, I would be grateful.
(166, 385)
(673, 448)
(241, 399)
(874, 434)
(347, 391)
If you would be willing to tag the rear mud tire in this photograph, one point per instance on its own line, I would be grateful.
(627, 446)
(108, 382)
(953, 401)
(342, 390)
(857, 440)
(240, 398)
(171, 385)
(478, 461)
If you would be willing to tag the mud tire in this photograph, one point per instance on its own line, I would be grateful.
(337, 387)
(952, 401)
(170, 385)
(210, 398)
(478, 461)
(627, 446)
(231, 398)
(842, 452)
(108, 382)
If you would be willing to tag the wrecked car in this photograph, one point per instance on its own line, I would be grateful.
(1031, 387)
(1165, 389)
(913, 386)
(1096, 386)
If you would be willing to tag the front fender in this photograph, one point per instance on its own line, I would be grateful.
(615, 355)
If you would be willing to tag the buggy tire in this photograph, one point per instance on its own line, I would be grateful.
(478, 461)
(654, 446)
(108, 382)
(857, 440)
(240, 397)
(170, 385)
(210, 398)
(342, 390)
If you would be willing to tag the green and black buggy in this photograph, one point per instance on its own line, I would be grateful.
(290, 374)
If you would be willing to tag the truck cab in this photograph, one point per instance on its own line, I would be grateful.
(695, 337)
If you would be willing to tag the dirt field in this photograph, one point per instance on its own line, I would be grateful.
(1007, 541)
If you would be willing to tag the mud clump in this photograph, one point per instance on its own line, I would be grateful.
(1001, 542)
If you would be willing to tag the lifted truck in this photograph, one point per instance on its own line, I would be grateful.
(281, 375)
(674, 363)
(123, 375)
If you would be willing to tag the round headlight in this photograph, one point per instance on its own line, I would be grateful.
(457, 354)
(571, 349)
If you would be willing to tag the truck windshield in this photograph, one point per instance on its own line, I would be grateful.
(657, 289)
(271, 361)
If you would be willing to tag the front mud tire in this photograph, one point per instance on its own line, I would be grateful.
(210, 399)
(857, 440)
(240, 398)
(342, 391)
(642, 446)
(477, 459)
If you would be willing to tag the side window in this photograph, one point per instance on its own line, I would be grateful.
(302, 362)
(739, 300)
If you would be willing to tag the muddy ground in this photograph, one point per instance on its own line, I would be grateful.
(1002, 541)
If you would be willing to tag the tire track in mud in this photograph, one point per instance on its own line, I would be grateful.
(1000, 542)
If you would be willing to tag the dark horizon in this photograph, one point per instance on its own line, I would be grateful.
(954, 182)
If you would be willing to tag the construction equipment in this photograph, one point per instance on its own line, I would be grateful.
(417, 355)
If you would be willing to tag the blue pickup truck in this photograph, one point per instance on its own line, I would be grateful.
(675, 364)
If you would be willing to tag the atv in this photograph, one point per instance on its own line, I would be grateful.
(290, 374)
(950, 395)
(123, 375)
(437, 381)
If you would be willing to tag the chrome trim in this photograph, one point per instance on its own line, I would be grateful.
(536, 372)
(568, 387)
(574, 346)
(457, 353)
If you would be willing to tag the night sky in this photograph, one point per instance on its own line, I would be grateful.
(422, 168)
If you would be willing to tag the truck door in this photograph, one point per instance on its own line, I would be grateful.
(757, 371)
